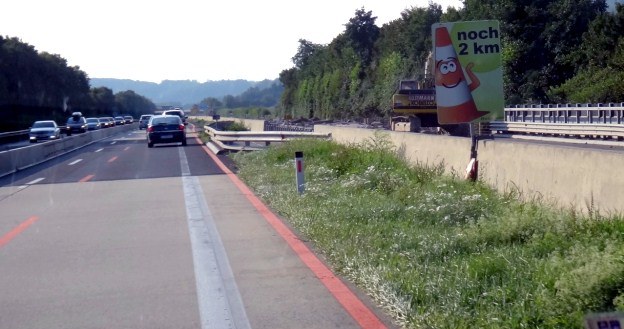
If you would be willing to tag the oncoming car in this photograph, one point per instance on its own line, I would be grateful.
(44, 130)
(163, 129)
(93, 124)
(76, 124)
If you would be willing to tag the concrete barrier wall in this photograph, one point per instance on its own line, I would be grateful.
(580, 178)
(252, 124)
(573, 177)
(24, 157)
(453, 153)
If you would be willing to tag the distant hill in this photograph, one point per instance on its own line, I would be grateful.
(179, 92)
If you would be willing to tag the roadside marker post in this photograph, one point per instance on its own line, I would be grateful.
(299, 171)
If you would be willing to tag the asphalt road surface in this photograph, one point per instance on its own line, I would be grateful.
(116, 235)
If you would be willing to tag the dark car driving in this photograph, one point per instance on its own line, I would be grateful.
(165, 129)
(76, 123)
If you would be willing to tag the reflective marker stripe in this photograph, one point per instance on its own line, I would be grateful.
(220, 304)
(86, 178)
(14, 232)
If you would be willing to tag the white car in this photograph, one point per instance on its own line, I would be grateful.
(144, 120)
(44, 130)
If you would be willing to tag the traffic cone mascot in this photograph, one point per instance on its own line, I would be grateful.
(455, 103)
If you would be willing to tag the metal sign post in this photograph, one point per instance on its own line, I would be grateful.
(299, 171)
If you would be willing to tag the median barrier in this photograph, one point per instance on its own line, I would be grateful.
(24, 157)
(583, 179)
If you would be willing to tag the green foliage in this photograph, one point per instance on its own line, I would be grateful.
(130, 103)
(592, 86)
(236, 126)
(258, 96)
(32, 79)
(437, 252)
(247, 112)
(545, 43)
(362, 34)
(36, 86)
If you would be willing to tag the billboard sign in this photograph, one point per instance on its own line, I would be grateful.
(468, 71)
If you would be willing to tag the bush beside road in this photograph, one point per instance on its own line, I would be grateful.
(437, 252)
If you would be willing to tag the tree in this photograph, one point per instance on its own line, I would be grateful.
(130, 103)
(362, 34)
(305, 50)
(211, 103)
(103, 100)
(538, 39)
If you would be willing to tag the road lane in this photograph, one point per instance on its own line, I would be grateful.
(100, 256)
(115, 251)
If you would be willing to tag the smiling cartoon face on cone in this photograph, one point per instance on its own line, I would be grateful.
(448, 73)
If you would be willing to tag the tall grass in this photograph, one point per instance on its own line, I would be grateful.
(437, 252)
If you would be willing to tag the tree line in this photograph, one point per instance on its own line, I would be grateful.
(265, 94)
(42, 86)
(553, 51)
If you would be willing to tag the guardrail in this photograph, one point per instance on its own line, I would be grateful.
(611, 113)
(232, 140)
(14, 133)
(13, 136)
(559, 129)
(27, 156)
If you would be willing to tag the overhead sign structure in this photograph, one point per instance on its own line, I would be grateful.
(468, 71)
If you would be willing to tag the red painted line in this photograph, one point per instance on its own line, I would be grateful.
(86, 178)
(112, 159)
(14, 232)
(352, 304)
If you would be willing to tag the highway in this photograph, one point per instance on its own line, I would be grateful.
(116, 235)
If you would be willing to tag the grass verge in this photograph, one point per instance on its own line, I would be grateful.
(436, 252)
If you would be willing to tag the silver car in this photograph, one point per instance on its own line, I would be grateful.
(93, 124)
(143, 120)
(44, 130)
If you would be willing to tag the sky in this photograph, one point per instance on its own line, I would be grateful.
(202, 40)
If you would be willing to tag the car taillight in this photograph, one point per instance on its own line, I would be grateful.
(150, 129)
(181, 127)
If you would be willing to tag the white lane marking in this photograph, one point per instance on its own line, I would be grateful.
(220, 303)
(186, 171)
(99, 150)
(74, 162)
(35, 181)
(113, 142)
